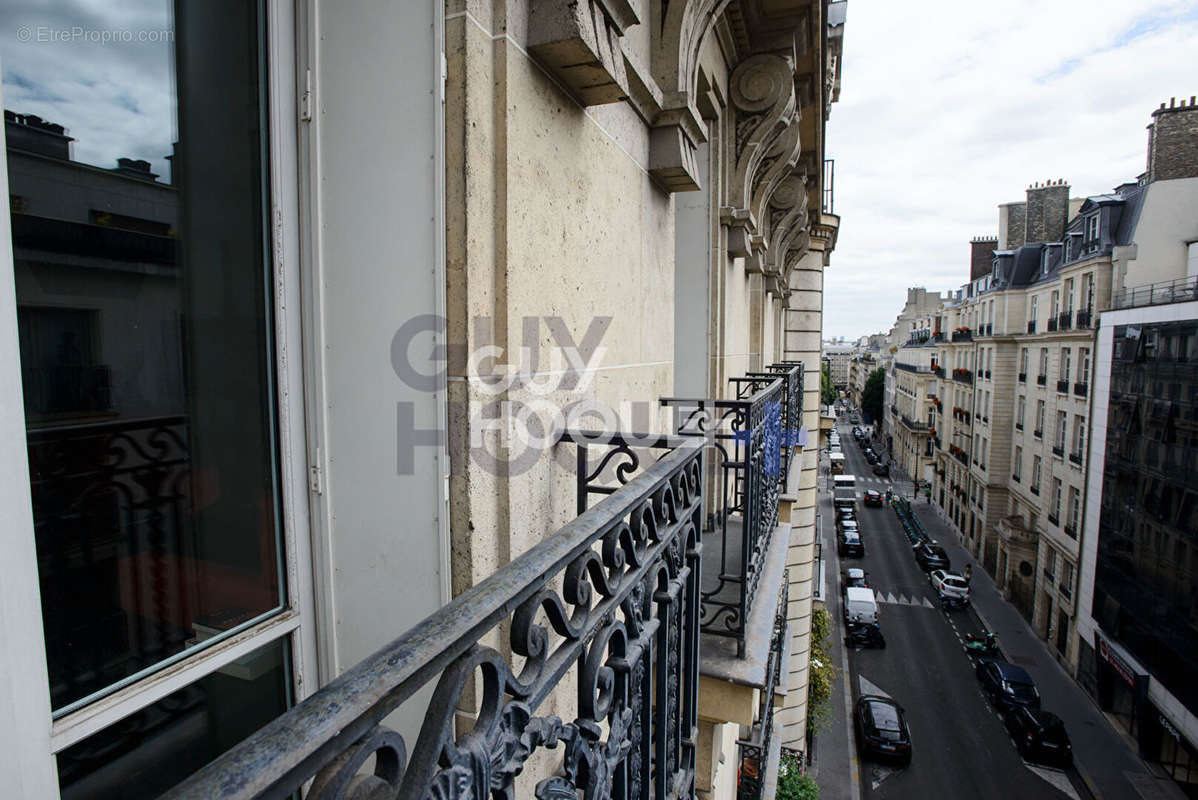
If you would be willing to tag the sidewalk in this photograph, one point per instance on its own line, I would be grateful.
(1110, 768)
(834, 763)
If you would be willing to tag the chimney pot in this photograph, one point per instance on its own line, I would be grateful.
(1171, 101)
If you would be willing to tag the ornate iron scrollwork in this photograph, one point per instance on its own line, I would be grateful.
(612, 598)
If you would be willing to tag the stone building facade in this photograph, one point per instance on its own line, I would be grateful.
(429, 241)
(1018, 373)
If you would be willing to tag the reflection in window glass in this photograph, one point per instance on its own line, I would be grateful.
(136, 174)
(150, 751)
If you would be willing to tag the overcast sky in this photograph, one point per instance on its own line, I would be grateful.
(948, 108)
(102, 69)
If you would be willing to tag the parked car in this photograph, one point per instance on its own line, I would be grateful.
(949, 584)
(930, 555)
(849, 544)
(845, 512)
(1006, 685)
(882, 470)
(872, 498)
(854, 576)
(873, 458)
(882, 729)
(1039, 735)
(855, 419)
(860, 605)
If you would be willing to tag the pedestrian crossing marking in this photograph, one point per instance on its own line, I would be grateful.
(901, 600)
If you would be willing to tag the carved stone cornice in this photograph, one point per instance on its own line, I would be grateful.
(679, 27)
(579, 41)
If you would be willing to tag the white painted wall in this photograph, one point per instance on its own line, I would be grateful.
(1166, 225)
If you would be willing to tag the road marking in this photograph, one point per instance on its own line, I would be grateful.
(927, 604)
(868, 687)
(1057, 778)
(880, 773)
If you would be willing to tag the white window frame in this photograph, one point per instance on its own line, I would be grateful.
(32, 738)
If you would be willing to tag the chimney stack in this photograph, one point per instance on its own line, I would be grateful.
(1047, 211)
(981, 255)
(1173, 141)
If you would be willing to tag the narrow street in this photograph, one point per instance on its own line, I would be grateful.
(960, 745)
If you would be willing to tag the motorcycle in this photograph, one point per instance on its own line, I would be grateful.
(982, 645)
(864, 635)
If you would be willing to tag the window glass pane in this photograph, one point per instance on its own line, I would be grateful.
(150, 751)
(136, 166)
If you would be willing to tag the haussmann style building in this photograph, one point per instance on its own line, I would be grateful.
(421, 385)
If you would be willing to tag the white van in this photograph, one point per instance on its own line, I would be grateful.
(859, 605)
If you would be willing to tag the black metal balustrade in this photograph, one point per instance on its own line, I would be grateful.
(1063, 387)
(1031, 326)
(1052, 324)
(745, 435)
(1152, 294)
(791, 373)
(1080, 389)
(1065, 320)
(755, 751)
(1083, 318)
(122, 486)
(611, 601)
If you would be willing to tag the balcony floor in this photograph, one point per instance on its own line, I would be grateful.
(717, 654)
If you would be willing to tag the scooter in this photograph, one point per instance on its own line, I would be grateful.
(864, 635)
(982, 646)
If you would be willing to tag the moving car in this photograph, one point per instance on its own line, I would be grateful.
(882, 470)
(855, 419)
(882, 729)
(1040, 736)
(849, 544)
(930, 555)
(873, 497)
(949, 584)
(1006, 685)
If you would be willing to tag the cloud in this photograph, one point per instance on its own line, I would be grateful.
(115, 98)
(946, 114)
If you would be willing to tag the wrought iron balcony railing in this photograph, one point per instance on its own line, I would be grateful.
(610, 602)
(1152, 294)
(755, 751)
(1065, 320)
(791, 373)
(745, 435)
(1031, 326)
(1080, 389)
(1063, 387)
(962, 335)
(1083, 318)
(1042, 380)
(1052, 324)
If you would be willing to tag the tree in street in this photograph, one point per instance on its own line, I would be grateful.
(871, 395)
(827, 390)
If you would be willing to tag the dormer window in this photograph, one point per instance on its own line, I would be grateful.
(1092, 227)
